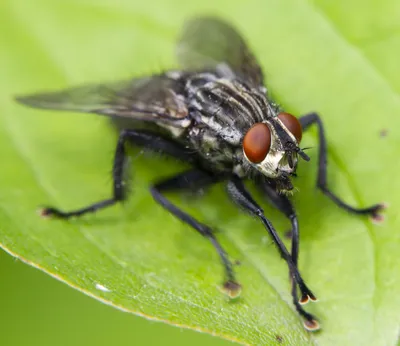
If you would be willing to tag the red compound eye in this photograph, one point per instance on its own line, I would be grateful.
(256, 142)
(292, 124)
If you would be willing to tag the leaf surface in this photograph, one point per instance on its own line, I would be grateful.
(338, 58)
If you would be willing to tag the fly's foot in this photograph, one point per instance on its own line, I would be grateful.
(305, 298)
(232, 289)
(49, 212)
(312, 325)
(306, 294)
(376, 216)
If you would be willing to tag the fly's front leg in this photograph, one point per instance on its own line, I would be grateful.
(284, 205)
(194, 180)
(242, 197)
(373, 211)
(142, 138)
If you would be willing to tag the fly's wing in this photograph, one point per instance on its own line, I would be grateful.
(208, 42)
(156, 98)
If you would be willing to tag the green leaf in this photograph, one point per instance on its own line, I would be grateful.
(337, 57)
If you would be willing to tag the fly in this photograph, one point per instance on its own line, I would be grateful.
(214, 113)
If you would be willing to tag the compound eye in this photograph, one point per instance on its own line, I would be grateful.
(292, 124)
(256, 142)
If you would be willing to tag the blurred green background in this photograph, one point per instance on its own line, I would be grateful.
(35, 309)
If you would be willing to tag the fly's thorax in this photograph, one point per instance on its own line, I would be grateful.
(222, 110)
(216, 153)
(227, 107)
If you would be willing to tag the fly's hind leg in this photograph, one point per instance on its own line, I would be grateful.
(374, 211)
(193, 180)
(142, 138)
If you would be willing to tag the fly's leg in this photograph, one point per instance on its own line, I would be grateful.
(242, 197)
(139, 137)
(284, 205)
(194, 180)
(373, 211)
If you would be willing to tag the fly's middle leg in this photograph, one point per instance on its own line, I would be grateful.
(193, 180)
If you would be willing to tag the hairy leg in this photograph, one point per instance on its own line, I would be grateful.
(194, 180)
(242, 197)
(142, 138)
(313, 118)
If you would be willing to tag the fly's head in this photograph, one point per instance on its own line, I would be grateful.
(272, 148)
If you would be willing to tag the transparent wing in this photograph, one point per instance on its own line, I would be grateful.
(207, 42)
(153, 98)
